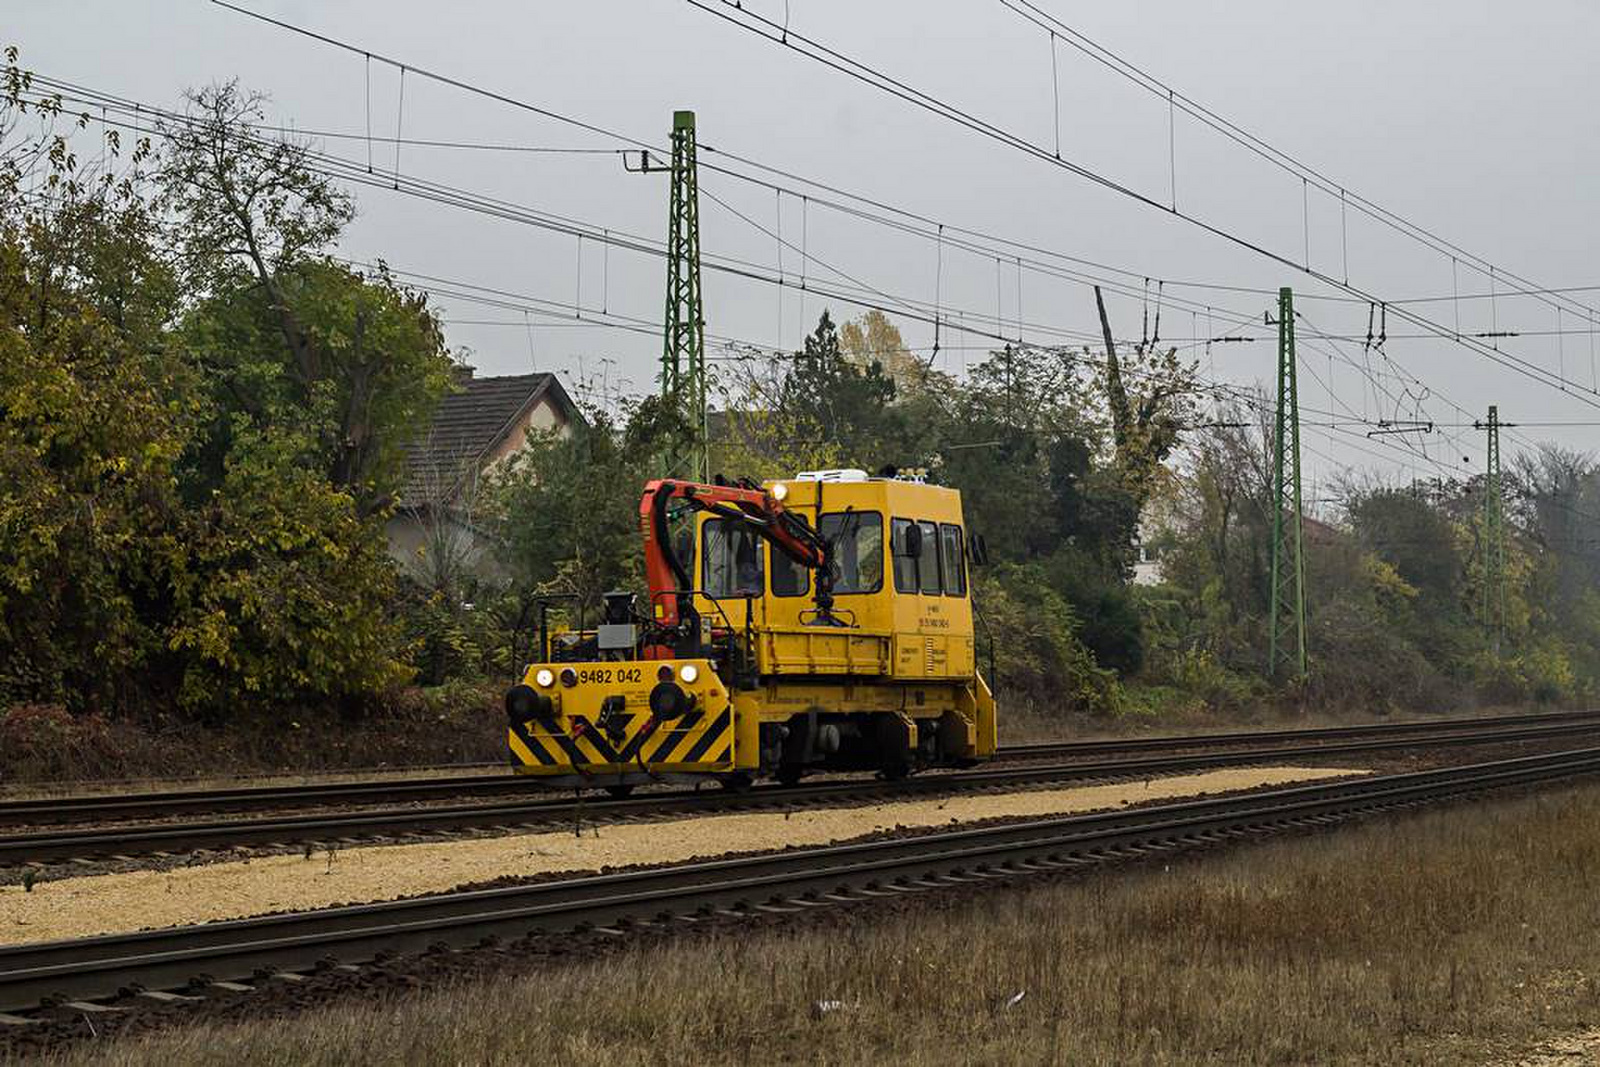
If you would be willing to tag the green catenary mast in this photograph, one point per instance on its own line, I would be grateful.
(683, 366)
(1494, 544)
(1287, 628)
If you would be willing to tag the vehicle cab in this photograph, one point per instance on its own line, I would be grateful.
(818, 622)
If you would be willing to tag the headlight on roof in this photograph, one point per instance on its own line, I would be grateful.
(779, 492)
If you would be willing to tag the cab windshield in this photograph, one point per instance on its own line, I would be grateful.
(730, 553)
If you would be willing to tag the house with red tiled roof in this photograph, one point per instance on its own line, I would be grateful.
(434, 530)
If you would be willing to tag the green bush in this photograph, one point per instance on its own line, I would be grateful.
(1542, 673)
(1199, 673)
(464, 633)
(1355, 661)
(1037, 651)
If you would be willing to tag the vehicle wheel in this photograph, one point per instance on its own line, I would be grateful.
(896, 772)
(789, 774)
(620, 792)
(737, 783)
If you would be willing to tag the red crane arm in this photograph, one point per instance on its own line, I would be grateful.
(666, 574)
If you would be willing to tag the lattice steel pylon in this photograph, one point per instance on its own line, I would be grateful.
(1494, 536)
(1287, 628)
(683, 362)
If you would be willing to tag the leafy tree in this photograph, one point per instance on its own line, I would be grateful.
(1556, 496)
(1149, 396)
(198, 420)
(1404, 530)
(382, 366)
(840, 402)
(875, 341)
(568, 506)
(92, 427)
(349, 364)
(759, 443)
(1000, 428)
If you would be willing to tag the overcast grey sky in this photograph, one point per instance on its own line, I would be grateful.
(1472, 119)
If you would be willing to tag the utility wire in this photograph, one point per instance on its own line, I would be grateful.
(928, 226)
(1033, 13)
(730, 11)
(544, 306)
(353, 171)
(341, 168)
(938, 235)
(414, 70)
(411, 184)
(735, 349)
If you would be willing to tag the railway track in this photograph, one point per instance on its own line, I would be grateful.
(111, 807)
(522, 812)
(1441, 727)
(53, 979)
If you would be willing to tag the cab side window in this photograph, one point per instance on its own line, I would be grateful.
(928, 561)
(918, 553)
(955, 574)
(905, 565)
(856, 541)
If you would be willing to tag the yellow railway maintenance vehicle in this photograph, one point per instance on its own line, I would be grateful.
(816, 623)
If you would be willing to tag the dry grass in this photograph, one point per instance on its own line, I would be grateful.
(1449, 937)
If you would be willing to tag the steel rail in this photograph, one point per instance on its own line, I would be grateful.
(113, 806)
(350, 827)
(794, 880)
(1298, 734)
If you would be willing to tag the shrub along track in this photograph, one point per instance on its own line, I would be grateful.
(90, 847)
(60, 990)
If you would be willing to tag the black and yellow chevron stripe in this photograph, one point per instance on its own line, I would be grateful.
(700, 741)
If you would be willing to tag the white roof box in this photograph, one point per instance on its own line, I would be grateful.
(848, 474)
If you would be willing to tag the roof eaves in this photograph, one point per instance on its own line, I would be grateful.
(473, 469)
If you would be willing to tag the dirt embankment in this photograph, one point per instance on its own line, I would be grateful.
(44, 747)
